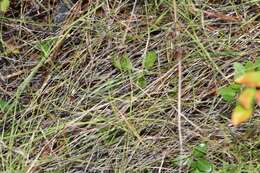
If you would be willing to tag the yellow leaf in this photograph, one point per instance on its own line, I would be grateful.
(4, 5)
(250, 79)
(247, 98)
(240, 115)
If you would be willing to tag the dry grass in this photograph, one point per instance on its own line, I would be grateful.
(74, 112)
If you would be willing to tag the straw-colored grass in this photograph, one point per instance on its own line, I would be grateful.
(73, 111)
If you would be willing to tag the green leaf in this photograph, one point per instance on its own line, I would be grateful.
(126, 64)
(203, 165)
(123, 63)
(46, 46)
(116, 63)
(141, 82)
(235, 87)
(149, 60)
(228, 93)
(200, 150)
(239, 69)
(4, 5)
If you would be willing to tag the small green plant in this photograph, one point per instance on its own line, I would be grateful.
(46, 46)
(229, 92)
(124, 64)
(141, 81)
(247, 80)
(148, 63)
(196, 161)
(149, 60)
(4, 5)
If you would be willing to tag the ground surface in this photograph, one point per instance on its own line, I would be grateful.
(71, 110)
